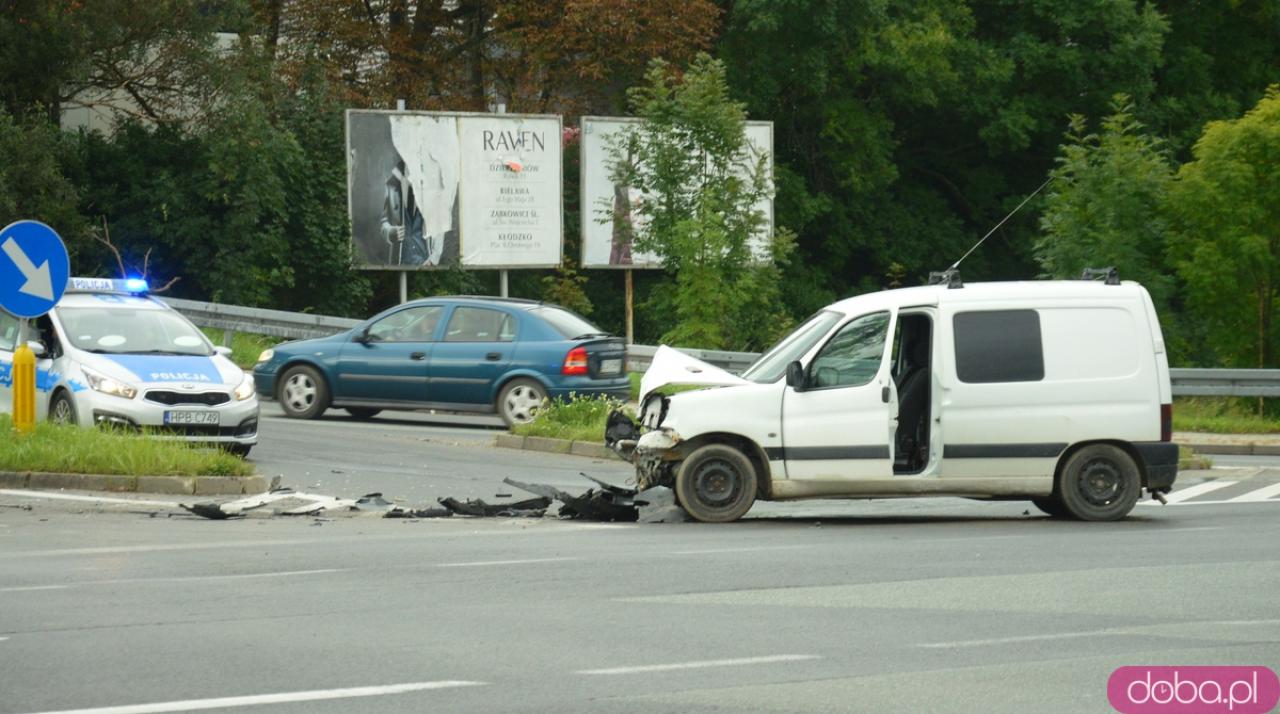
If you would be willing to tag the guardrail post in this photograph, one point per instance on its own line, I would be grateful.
(227, 336)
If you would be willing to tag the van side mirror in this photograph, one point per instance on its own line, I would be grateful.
(795, 376)
(222, 350)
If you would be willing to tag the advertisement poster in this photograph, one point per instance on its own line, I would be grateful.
(608, 207)
(511, 198)
(429, 189)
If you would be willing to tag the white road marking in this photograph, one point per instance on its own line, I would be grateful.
(33, 587)
(712, 551)
(1024, 638)
(700, 665)
(482, 563)
(176, 579)
(2, 639)
(282, 698)
(1198, 490)
(1260, 494)
(93, 499)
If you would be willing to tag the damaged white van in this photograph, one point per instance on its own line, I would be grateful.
(1055, 392)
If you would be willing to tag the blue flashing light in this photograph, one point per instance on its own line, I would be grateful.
(136, 285)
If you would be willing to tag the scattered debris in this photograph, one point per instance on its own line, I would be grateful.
(609, 504)
(398, 512)
(532, 508)
(658, 505)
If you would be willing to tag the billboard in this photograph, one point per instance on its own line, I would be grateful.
(608, 207)
(432, 189)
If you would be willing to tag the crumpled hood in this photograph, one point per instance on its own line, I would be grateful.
(671, 366)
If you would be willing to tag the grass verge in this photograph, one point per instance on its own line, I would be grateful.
(68, 449)
(579, 419)
(245, 347)
(1221, 415)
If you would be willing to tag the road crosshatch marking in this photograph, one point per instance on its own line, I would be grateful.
(1206, 494)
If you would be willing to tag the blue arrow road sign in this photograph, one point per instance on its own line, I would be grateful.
(33, 268)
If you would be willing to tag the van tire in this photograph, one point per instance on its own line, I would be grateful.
(303, 393)
(1050, 506)
(716, 484)
(1099, 482)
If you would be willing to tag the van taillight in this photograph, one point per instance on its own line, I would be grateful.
(575, 363)
(1166, 422)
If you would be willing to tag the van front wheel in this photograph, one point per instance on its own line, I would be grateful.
(716, 484)
(1099, 483)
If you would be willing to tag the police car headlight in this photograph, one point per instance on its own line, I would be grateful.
(102, 383)
(245, 390)
(266, 356)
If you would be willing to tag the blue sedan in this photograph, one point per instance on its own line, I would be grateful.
(454, 353)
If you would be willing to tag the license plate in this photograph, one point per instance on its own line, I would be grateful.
(610, 366)
(192, 417)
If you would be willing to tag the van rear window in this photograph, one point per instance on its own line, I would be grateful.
(998, 346)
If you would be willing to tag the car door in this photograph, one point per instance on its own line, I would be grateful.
(388, 361)
(838, 424)
(474, 352)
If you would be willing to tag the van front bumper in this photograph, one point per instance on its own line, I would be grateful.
(1159, 463)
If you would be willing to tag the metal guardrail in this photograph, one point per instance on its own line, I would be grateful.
(1225, 382)
(299, 325)
(259, 321)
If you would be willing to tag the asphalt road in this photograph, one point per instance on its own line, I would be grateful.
(922, 605)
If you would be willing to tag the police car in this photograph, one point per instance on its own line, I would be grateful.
(110, 354)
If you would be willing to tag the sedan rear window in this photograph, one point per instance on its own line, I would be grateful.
(570, 325)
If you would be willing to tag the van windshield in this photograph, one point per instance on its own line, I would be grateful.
(128, 331)
(773, 364)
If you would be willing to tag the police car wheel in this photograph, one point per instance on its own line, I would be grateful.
(1099, 482)
(303, 393)
(716, 484)
(241, 450)
(62, 410)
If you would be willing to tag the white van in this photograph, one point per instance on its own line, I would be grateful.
(1052, 391)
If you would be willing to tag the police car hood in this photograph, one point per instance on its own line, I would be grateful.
(671, 366)
(198, 370)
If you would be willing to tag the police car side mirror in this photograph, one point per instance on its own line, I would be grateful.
(222, 350)
(37, 348)
(795, 376)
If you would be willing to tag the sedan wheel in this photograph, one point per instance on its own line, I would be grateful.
(303, 393)
(520, 401)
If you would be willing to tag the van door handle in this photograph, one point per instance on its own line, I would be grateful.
(884, 394)
(493, 356)
(418, 355)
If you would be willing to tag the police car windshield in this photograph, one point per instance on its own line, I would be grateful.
(121, 330)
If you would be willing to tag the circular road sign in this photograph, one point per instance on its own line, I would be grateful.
(33, 268)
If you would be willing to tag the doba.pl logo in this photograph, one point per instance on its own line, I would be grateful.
(1179, 690)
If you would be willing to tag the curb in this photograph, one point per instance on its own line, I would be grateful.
(1249, 449)
(174, 485)
(589, 449)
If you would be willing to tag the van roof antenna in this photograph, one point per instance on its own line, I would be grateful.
(1001, 223)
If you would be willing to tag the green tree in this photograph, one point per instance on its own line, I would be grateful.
(32, 182)
(1106, 204)
(1226, 208)
(701, 184)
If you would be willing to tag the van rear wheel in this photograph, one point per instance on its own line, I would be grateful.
(1099, 483)
(716, 484)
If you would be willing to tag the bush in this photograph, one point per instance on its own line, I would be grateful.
(579, 419)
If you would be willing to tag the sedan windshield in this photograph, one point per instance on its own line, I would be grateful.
(129, 331)
(773, 364)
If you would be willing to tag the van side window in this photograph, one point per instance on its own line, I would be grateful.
(852, 358)
(998, 346)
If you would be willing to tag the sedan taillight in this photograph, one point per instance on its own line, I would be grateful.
(575, 363)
